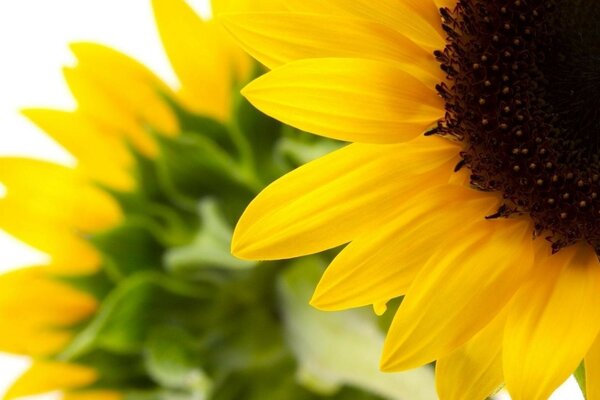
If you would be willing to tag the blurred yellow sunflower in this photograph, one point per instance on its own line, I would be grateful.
(55, 208)
(471, 186)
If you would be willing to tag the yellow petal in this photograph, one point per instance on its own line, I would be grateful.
(552, 322)
(445, 3)
(467, 281)
(47, 205)
(237, 6)
(130, 85)
(204, 61)
(381, 264)
(473, 371)
(592, 371)
(355, 100)
(39, 308)
(70, 253)
(45, 192)
(414, 18)
(278, 38)
(120, 95)
(336, 198)
(45, 377)
(101, 108)
(93, 395)
(101, 156)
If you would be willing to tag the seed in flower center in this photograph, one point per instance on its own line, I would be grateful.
(523, 94)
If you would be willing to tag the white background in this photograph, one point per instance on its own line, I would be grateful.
(33, 47)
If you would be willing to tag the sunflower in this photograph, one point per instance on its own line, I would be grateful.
(470, 188)
(140, 297)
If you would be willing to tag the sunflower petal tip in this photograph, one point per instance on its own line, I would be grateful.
(247, 91)
(316, 301)
(385, 364)
(324, 300)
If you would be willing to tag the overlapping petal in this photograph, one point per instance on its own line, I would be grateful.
(473, 371)
(381, 264)
(120, 95)
(334, 199)
(45, 377)
(349, 99)
(71, 207)
(278, 38)
(463, 286)
(57, 194)
(552, 322)
(39, 309)
(101, 156)
(204, 60)
(416, 19)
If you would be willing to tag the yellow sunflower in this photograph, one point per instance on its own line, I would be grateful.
(471, 186)
(56, 208)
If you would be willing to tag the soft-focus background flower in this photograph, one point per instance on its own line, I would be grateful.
(33, 48)
(34, 37)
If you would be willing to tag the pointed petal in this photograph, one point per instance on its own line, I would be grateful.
(278, 38)
(70, 206)
(200, 55)
(70, 253)
(48, 192)
(101, 156)
(348, 99)
(45, 377)
(130, 85)
(100, 108)
(468, 280)
(552, 322)
(336, 198)
(592, 371)
(473, 371)
(48, 306)
(381, 264)
(414, 18)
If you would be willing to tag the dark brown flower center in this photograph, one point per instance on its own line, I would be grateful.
(523, 94)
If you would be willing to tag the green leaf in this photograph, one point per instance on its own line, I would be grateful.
(116, 370)
(193, 167)
(297, 148)
(128, 248)
(209, 249)
(173, 361)
(206, 126)
(261, 133)
(580, 377)
(342, 348)
(137, 305)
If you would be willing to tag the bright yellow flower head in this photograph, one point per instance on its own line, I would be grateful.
(55, 208)
(513, 110)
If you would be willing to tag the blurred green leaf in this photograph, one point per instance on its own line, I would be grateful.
(173, 361)
(580, 377)
(117, 370)
(194, 167)
(261, 133)
(297, 148)
(208, 127)
(133, 308)
(209, 249)
(129, 247)
(340, 348)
